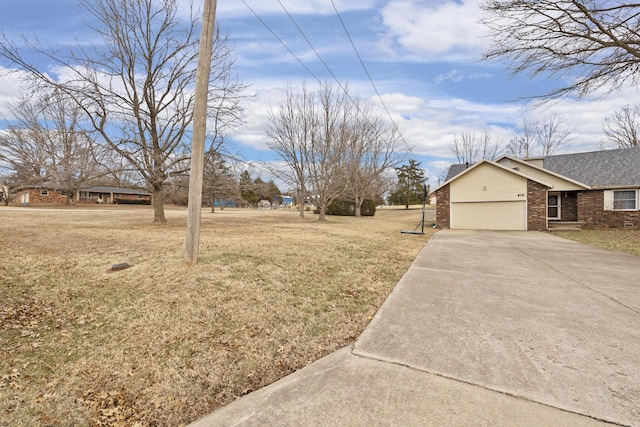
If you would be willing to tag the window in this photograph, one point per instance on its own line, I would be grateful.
(624, 200)
(117, 196)
(44, 192)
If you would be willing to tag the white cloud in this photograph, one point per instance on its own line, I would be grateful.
(12, 87)
(314, 7)
(458, 76)
(434, 31)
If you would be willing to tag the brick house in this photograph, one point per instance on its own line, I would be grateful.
(594, 189)
(96, 194)
(40, 196)
(113, 195)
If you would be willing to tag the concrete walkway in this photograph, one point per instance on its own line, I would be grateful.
(485, 329)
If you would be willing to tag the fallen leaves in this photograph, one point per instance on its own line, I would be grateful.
(163, 344)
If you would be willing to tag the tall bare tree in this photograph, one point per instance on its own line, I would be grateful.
(137, 87)
(591, 44)
(291, 129)
(373, 149)
(330, 143)
(327, 158)
(470, 147)
(540, 138)
(46, 145)
(622, 128)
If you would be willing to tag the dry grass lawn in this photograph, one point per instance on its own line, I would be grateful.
(621, 240)
(163, 343)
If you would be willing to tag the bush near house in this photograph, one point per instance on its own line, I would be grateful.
(133, 201)
(348, 208)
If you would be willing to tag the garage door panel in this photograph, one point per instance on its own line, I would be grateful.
(489, 215)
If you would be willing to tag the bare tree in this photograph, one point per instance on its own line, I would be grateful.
(523, 144)
(470, 147)
(290, 132)
(593, 44)
(137, 87)
(540, 138)
(622, 128)
(553, 133)
(373, 150)
(47, 146)
(331, 144)
(327, 160)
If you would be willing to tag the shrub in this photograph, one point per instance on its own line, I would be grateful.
(133, 201)
(348, 208)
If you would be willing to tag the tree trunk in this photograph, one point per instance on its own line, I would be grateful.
(158, 204)
(322, 210)
(358, 205)
(301, 204)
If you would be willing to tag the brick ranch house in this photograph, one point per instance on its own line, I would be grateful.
(96, 194)
(594, 189)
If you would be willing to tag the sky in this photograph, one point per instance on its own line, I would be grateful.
(418, 60)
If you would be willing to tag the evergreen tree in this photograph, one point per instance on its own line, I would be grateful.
(218, 181)
(248, 189)
(410, 185)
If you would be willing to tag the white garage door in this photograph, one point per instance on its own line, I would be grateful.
(489, 215)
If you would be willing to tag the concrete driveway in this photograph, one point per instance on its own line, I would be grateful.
(485, 328)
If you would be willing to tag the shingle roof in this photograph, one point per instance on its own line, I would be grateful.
(455, 170)
(607, 168)
(120, 190)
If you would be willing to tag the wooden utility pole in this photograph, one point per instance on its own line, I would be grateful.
(199, 132)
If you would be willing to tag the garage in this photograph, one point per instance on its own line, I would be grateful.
(498, 215)
(492, 196)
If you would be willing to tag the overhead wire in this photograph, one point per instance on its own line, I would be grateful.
(327, 66)
(364, 67)
(280, 40)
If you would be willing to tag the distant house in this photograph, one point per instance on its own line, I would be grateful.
(264, 204)
(593, 189)
(96, 194)
(40, 196)
(283, 201)
(113, 195)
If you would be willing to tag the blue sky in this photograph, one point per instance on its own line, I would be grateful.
(422, 55)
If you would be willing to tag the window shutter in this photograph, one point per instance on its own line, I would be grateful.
(608, 200)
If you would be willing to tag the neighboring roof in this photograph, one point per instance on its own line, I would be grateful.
(120, 190)
(467, 169)
(607, 168)
(542, 169)
(455, 170)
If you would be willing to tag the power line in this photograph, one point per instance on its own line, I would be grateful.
(395, 126)
(281, 41)
(369, 77)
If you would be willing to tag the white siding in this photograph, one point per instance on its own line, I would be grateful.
(489, 215)
(488, 183)
(608, 200)
(559, 184)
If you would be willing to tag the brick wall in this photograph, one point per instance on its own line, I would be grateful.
(36, 197)
(443, 207)
(536, 206)
(569, 206)
(591, 212)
